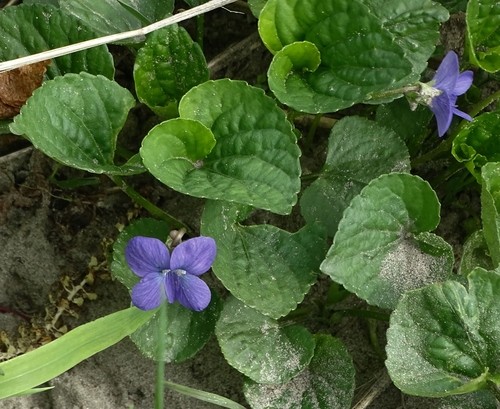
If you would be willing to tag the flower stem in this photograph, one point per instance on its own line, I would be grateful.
(395, 92)
(160, 363)
(159, 384)
(375, 315)
(200, 29)
(477, 108)
(311, 176)
(374, 341)
(150, 207)
(312, 130)
(443, 147)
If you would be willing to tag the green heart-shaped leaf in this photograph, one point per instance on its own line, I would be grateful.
(476, 143)
(29, 29)
(149, 11)
(358, 151)
(259, 346)
(166, 67)
(490, 209)
(256, 6)
(382, 248)
(454, 5)
(483, 36)
(475, 254)
(410, 125)
(75, 120)
(450, 337)
(115, 16)
(474, 400)
(186, 331)
(255, 160)
(267, 268)
(175, 148)
(327, 383)
(333, 54)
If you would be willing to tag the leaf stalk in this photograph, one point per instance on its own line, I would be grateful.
(146, 204)
(159, 396)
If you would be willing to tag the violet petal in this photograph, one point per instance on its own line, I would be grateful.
(464, 81)
(447, 73)
(149, 293)
(441, 107)
(193, 292)
(146, 255)
(195, 256)
(461, 114)
(171, 284)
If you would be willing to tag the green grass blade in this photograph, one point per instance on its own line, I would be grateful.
(34, 390)
(204, 396)
(25, 372)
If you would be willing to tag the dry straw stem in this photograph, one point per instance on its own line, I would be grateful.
(84, 45)
(381, 384)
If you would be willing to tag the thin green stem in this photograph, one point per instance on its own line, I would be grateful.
(376, 315)
(301, 313)
(312, 129)
(395, 92)
(443, 147)
(200, 29)
(311, 176)
(292, 115)
(160, 363)
(477, 108)
(146, 204)
(374, 341)
(447, 173)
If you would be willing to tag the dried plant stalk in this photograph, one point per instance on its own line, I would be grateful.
(84, 45)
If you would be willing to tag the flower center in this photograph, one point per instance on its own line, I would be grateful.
(427, 93)
(178, 271)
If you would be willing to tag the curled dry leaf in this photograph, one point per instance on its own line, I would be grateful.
(17, 85)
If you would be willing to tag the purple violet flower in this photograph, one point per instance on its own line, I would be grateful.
(449, 84)
(172, 277)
